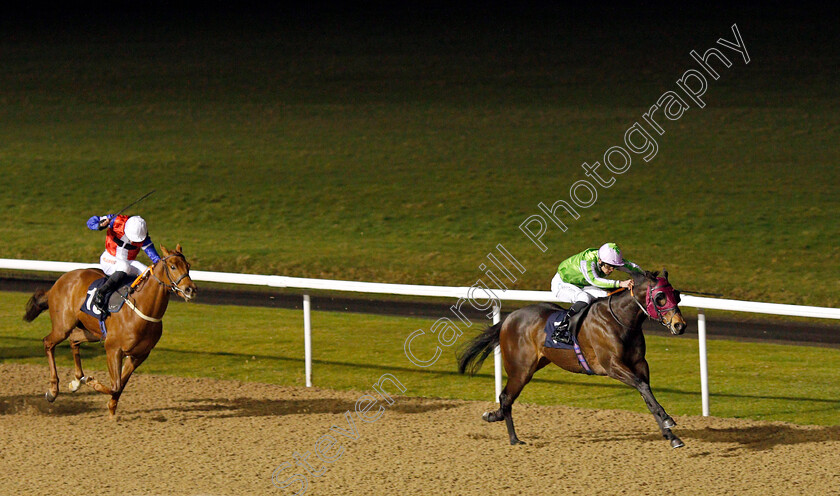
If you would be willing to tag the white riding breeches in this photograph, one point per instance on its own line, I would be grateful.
(572, 293)
(110, 264)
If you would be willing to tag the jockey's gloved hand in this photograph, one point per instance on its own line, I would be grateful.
(93, 223)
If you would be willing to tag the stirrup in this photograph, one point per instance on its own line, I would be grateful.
(101, 304)
(560, 332)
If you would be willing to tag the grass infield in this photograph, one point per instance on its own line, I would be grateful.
(397, 156)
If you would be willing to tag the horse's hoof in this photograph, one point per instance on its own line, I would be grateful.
(49, 396)
(491, 417)
(514, 442)
(669, 423)
(677, 443)
(75, 384)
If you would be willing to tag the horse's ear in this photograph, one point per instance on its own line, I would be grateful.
(664, 273)
(178, 248)
(164, 251)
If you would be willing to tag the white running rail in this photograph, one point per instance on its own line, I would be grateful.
(700, 303)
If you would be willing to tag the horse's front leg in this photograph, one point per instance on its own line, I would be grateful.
(639, 380)
(662, 418)
(77, 362)
(114, 355)
(128, 368)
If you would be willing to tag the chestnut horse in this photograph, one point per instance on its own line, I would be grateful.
(132, 332)
(610, 338)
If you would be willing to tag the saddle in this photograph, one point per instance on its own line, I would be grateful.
(115, 302)
(556, 319)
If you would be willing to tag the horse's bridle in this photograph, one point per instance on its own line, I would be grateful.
(663, 287)
(173, 284)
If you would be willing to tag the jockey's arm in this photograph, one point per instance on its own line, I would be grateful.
(150, 250)
(633, 267)
(589, 272)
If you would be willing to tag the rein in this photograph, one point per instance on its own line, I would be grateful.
(637, 301)
(614, 316)
(660, 317)
(643, 309)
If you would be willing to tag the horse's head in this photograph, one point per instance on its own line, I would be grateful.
(661, 300)
(177, 270)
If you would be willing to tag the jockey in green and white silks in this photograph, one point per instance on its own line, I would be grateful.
(582, 278)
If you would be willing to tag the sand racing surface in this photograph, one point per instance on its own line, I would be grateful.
(179, 436)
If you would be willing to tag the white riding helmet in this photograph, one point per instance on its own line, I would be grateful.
(609, 253)
(135, 229)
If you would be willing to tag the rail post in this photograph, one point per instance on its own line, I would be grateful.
(704, 368)
(307, 338)
(497, 355)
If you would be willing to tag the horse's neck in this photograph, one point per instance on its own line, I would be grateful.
(153, 296)
(629, 309)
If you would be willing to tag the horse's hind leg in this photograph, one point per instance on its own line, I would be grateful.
(49, 350)
(51, 340)
(506, 399)
(517, 379)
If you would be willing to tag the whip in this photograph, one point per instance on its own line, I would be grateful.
(135, 202)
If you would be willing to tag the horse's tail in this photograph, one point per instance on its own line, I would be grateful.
(476, 351)
(37, 304)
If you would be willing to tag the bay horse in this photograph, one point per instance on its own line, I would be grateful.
(610, 338)
(131, 333)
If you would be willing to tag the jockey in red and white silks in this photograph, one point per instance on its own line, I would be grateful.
(125, 238)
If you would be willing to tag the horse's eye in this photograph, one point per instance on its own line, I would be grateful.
(661, 300)
(172, 266)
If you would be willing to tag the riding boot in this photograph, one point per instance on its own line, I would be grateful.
(100, 299)
(562, 334)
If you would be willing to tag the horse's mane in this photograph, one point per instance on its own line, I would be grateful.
(646, 276)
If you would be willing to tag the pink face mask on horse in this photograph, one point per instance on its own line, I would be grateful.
(672, 298)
